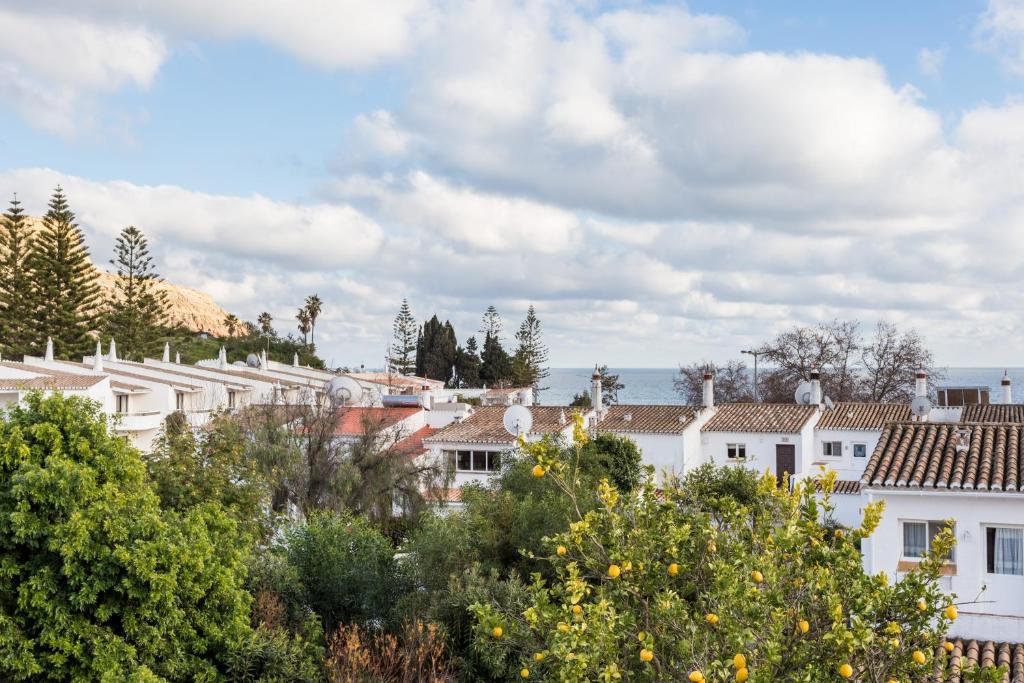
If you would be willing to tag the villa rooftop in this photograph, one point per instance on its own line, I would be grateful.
(767, 418)
(647, 419)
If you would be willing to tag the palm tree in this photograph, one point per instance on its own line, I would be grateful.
(232, 323)
(304, 324)
(313, 308)
(266, 323)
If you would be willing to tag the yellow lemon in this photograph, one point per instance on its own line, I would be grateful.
(563, 627)
(739, 661)
(497, 632)
(839, 533)
(525, 673)
(640, 636)
(561, 550)
(803, 626)
(922, 604)
(711, 546)
(538, 471)
(538, 657)
(627, 566)
(673, 569)
(696, 677)
(614, 571)
(951, 612)
(712, 618)
(894, 642)
(646, 655)
(845, 670)
(742, 674)
(576, 609)
(757, 576)
(919, 657)
(948, 645)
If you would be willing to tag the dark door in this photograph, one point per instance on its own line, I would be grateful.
(785, 460)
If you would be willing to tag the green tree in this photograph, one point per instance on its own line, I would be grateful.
(139, 309)
(99, 582)
(18, 293)
(266, 324)
(467, 365)
(66, 282)
(495, 363)
(436, 350)
(233, 324)
(305, 325)
(615, 457)
(403, 345)
(531, 357)
(314, 307)
(662, 585)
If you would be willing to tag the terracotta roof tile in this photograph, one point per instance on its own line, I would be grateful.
(845, 487)
(1013, 412)
(117, 372)
(183, 372)
(647, 419)
(868, 416)
(484, 425)
(975, 457)
(774, 418)
(984, 653)
(412, 445)
(47, 379)
(408, 382)
(351, 419)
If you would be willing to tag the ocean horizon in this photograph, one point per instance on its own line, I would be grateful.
(654, 385)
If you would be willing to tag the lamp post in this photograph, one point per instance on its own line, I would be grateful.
(755, 354)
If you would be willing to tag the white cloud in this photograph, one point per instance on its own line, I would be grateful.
(1000, 30)
(930, 61)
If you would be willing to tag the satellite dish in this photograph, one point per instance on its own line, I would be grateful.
(517, 420)
(803, 393)
(829, 405)
(252, 360)
(345, 390)
(921, 406)
(239, 364)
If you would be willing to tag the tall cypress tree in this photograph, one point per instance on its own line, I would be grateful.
(437, 350)
(467, 364)
(531, 355)
(403, 347)
(139, 308)
(66, 280)
(18, 299)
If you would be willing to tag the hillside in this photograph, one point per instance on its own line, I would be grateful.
(193, 309)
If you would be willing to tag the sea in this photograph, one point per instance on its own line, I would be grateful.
(654, 385)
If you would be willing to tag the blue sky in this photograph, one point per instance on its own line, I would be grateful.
(679, 178)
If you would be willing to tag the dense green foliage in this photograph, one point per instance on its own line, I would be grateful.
(402, 356)
(436, 350)
(18, 295)
(139, 309)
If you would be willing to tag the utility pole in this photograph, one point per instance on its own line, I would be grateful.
(755, 354)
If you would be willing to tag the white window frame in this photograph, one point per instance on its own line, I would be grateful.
(927, 539)
(179, 400)
(985, 528)
(828, 449)
(737, 448)
(122, 398)
(452, 455)
(854, 450)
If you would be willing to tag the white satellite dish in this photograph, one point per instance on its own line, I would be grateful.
(517, 420)
(829, 405)
(921, 406)
(345, 390)
(252, 360)
(803, 393)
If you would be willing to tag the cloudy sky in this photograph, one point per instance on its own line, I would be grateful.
(664, 181)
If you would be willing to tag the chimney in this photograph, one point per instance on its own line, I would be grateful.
(263, 360)
(167, 352)
(426, 397)
(921, 383)
(295, 360)
(177, 357)
(49, 350)
(97, 360)
(1007, 389)
(112, 351)
(815, 387)
(222, 359)
(709, 389)
(595, 393)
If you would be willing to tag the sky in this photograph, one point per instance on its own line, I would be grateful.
(665, 182)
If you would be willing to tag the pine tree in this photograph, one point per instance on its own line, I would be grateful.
(531, 355)
(467, 365)
(314, 306)
(17, 291)
(140, 308)
(495, 363)
(403, 346)
(66, 282)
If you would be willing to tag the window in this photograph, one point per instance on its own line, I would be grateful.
(122, 403)
(179, 400)
(736, 451)
(917, 538)
(474, 461)
(832, 449)
(1005, 550)
(860, 450)
(231, 399)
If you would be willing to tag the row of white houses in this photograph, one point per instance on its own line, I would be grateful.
(963, 463)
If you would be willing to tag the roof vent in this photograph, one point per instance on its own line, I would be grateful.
(682, 419)
(628, 417)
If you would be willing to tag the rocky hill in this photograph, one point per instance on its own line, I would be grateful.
(189, 307)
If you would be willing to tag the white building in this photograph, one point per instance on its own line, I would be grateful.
(668, 436)
(973, 474)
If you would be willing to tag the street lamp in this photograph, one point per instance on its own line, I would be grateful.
(755, 354)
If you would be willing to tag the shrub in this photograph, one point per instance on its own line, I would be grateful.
(417, 653)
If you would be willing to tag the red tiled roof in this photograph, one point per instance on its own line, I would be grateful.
(647, 419)
(845, 487)
(978, 412)
(984, 653)
(413, 444)
(450, 495)
(484, 425)
(134, 375)
(397, 381)
(47, 378)
(863, 415)
(351, 419)
(974, 457)
(770, 418)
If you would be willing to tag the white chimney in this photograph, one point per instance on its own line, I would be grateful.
(97, 360)
(709, 389)
(921, 383)
(112, 351)
(295, 360)
(263, 359)
(49, 350)
(426, 397)
(815, 387)
(177, 357)
(167, 352)
(526, 396)
(222, 359)
(595, 393)
(1007, 389)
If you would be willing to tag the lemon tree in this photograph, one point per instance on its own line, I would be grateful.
(667, 584)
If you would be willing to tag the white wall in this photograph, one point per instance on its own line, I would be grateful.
(1004, 596)
(846, 466)
(760, 448)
